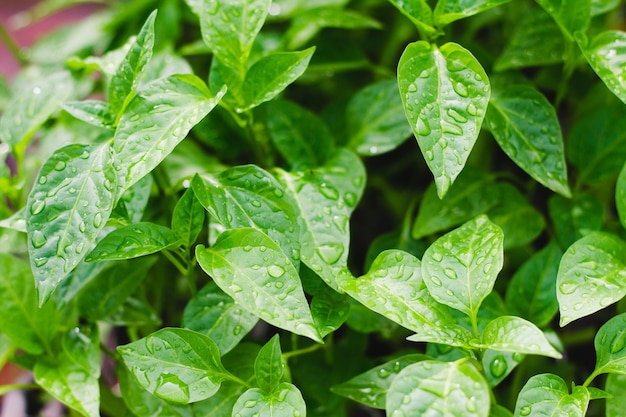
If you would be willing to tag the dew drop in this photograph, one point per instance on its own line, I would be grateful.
(329, 191)
(412, 88)
(250, 403)
(256, 203)
(60, 166)
(525, 410)
(170, 387)
(97, 220)
(350, 199)
(471, 109)
(330, 252)
(450, 273)
(436, 281)
(438, 257)
(37, 207)
(383, 373)
(276, 271)
(498, 366)
(422, 127)
(568, 287)
(39, 262)
(38, 239)
(471, 405)
(43, 179)
(461, 89)
(456, 116)
(618, 344)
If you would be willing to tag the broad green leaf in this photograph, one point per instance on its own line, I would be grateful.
(606, 54)
(536, 41)
(268, 366)
(575, 218)
(445, 92)
(329, 310)
(156, 120)
(222, 75)
(72, 376)
(302, 139)
(285, 401)
(516, 335)
(110, 288)
(215, 314)
(230, 27)
(28, 326)
(133, 312)
(97, 113)
(247, 265)
(610, 344)
(531, 292)
(143, 403)
(615, 403)
(329, 192)
(418, 12)
(597, 142)
(177, 365)
(547, 395)
(132, 241)
(572, 16)
(620, 196)
(461, 267)
(125, 80)
(376, 122)
(592, 275)
(32, 104)
(473, 193)
(370, 387)
(499, 411)
(436, 388)
(249, 196)
(270, 75)
(66, 210)
(16, 222)
(188, 218)
(525, 126)
(394, 288)
(164, 63)
(497, 365)
(603, 6)
(448, 11)
(449, 334)
(135, 199)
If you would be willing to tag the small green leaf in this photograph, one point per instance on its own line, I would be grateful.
(376, 122)
(329, 310)
(605, 53)
(132, 241)
(418, 12)
(516, 335)
(370, 387)
(531, 292)
(620, 196)
(67, 209)
(16, 222)
(28, 326)
(616, 401)
(216, 315)
(547, 395)
(572, 16)
(285, 401)
(125, 80)
(461, 267)
(268, 366)
(254, 271)
(592, 275)
(525, 126)
(610, 344)
(497, 365)
(177, 365)
(445, 92)
(436, 388)
(448, 11)
(188, 218)
(94, 112)
(576, 217)
(603, 6)
(156, 120)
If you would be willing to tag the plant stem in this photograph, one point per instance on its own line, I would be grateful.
(302, 351)
(12, 46)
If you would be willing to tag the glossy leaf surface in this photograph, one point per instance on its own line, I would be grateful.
(448, 11)
(607, 56)
(97, 113)
(445, 92)
(610, 344)
(188, 218)
(574, 218)
(418, 12)
(268, 366)
(615, 386)
(547, 395)
(285, 401)
(572, 16)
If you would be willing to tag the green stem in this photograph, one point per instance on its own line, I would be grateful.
(302, 351)
(110, 353)
(238, 380)
(170, 257)
(12, 46)
(591, 377)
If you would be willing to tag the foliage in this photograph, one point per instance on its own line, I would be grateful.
(226, 206)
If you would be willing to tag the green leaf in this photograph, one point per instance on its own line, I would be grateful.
(418, 12)
(516, 335)
(33, 104)
(547, 395)
(301, 137)
(94, 112)
(16, 222)
(376, 122)
(531, 293)
(270, 75)
(536, 41)
(249, 196)
(439, 389)
(620, 196)
(330, 192)
(268, 366)
(216, 315)
(285, 401)
(177, 365)
(592, 275)
(132, 241)
(576, 217)
(110, 288)
(605, 53)
(610, 343)
(230, 27)
(28, 326)
(499, 411)
(66, 210)
(461, 267)
(125, 80)
(603, 6)
(597, 142)
(572, 16)
(615, 403)
(329, 310)
(445, 92)
(525, 126)
(498, 365)
(448, 11)
(370, 387)
(156, 120)
(135, 199)
(254, 271)
(188, 218)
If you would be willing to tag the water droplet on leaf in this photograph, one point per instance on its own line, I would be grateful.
(498, 366)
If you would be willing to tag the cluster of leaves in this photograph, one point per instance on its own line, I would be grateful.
(266, 153)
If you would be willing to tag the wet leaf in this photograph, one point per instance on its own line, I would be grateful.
(285, 401)
(448, 11)
(188, 218)
(610, 344)
(547, 394)
(329, 310)
(418, 12)
(576, 217)
(268, 366)
(572, 16)
(606, 53)
(498, 365)
(615, 403)
(94, 112)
